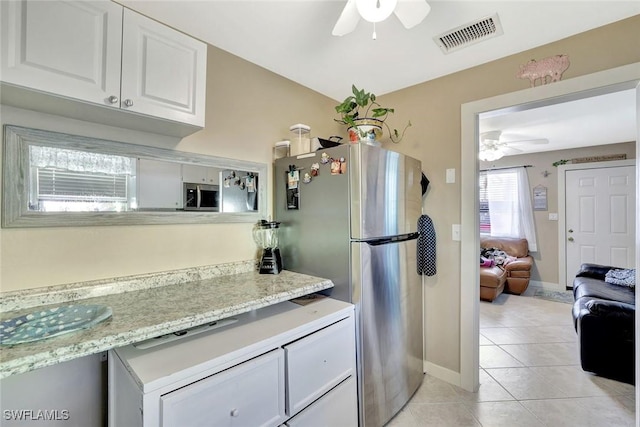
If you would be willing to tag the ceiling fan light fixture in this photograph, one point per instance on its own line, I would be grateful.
(489, 154)
(375, 10)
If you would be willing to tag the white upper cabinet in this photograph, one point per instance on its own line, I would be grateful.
(67, 48)
(163, 71)
(103, 54)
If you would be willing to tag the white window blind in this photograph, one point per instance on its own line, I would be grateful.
(73, 180)
(63, 185)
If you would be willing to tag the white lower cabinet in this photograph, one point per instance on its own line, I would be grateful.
(250, 394)
(285, 364)
(331, 410)
(317, 363)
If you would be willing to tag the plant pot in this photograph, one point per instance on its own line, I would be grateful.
(366, 131)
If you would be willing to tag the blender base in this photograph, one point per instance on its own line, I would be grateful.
(271, 262)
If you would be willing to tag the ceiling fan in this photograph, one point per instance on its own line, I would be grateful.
(492, 147)
(409, 12)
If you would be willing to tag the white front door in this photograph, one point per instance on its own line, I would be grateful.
(600, 217)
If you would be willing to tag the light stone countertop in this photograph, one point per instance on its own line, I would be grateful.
(153, 310)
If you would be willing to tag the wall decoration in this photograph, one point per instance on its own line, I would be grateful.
(552, 67)
(539, 198)
(606, 158)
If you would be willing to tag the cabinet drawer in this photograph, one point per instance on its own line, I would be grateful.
(339, 407)
(249, 394)
(318, 362)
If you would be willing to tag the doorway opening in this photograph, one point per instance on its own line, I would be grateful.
(618, 79)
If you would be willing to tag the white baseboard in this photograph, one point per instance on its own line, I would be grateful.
(442, 373)
(535, 285)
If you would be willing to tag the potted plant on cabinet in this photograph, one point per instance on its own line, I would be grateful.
(367, 126)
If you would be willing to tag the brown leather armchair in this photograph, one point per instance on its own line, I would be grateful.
(513, 277)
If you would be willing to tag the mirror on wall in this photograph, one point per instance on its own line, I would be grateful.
(55, 179)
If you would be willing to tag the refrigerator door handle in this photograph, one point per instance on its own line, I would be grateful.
(392, 239)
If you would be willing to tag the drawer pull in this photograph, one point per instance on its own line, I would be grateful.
(235, 412)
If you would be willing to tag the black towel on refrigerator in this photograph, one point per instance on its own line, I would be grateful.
(426, 246)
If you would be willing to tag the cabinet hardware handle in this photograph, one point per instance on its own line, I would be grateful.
(235, 412)
(113, 99)
(128, 102)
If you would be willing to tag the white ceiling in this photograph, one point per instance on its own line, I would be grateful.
(598, 120)
(293, 38)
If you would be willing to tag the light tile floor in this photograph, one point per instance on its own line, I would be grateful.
(530, 376)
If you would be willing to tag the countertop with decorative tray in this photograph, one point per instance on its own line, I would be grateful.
(144, 307)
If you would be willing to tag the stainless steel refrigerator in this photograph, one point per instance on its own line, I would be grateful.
(349, 213)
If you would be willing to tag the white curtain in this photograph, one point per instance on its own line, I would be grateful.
(510, 208)
(79, 161)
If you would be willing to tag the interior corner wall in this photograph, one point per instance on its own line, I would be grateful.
(248, 110)
(435, 138)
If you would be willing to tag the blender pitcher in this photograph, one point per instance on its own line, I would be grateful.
(265, 234)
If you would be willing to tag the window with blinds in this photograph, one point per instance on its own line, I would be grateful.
(68, 180)
(485, 219)
(501, 189)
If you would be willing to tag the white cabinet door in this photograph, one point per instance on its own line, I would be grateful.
(249, 394)
(68, 48)
(163, 71)
(200, 174)
(318, 362)
(159, 184)
(339, 407)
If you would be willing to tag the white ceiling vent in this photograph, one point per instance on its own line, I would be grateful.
(468, 34)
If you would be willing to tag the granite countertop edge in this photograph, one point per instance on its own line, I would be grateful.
(95, 340)
(56, 294)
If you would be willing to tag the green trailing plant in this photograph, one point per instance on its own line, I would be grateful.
(352, 107)
(560, 162)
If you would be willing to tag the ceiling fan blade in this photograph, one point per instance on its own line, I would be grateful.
(539, 141)
(412, 12)
(511, 150)
(348, 19)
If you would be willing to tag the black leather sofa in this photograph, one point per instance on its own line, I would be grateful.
(604, 318)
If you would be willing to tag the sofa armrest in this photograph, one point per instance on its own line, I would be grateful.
(594, 271)
(611, 309)
(520, 264)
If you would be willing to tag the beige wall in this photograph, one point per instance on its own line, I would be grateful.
(435, 139)
(545, 268)
(248, 109)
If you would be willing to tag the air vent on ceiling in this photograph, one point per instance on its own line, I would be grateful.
(466, 35)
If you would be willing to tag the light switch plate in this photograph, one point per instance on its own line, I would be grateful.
(553, 216)
(455, 232)
(451, 176)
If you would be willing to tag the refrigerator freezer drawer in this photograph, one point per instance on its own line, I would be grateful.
(318, 362)
(388, 298)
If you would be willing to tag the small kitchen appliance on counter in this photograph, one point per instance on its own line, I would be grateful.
(265, 234)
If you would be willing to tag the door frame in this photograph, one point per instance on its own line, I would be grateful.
(562, 205)
(612, 80)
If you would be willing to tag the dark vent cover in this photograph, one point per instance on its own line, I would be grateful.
(466, 35)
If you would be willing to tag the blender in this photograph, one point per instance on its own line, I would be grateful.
(265, 234)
